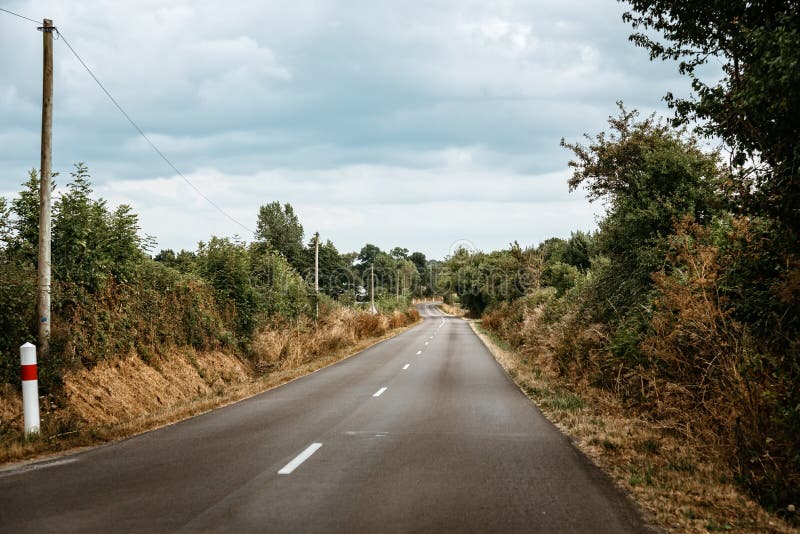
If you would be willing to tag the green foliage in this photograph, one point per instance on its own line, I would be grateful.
(279, 229)
(367, 255)
(225, 264)
(17, 312)
(6, 228)
(578, 250)
(425, 277)
(755, 106)
(561, 276)
(394, 272)
(279, 289)
(682, 308)
(483, 281)
(391, 303)
(25, 226)
(552, 249)
(184, 261)
(335, 276)
(678, 304)
(110, 299)
(157, 309)
(90, 242)
(399, 253)
(649, 176)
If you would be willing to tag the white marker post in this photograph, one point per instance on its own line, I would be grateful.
(30, 388)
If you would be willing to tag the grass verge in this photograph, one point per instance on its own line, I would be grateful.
(678, 485)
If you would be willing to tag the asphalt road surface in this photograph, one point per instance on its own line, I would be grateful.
(421, 433)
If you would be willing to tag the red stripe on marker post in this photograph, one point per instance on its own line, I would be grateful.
(30, 388)
(30, 372)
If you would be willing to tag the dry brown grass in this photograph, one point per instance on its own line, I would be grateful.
(679, 485)
(120, 390)
(287, 346)
(452, 310)
(121, 398)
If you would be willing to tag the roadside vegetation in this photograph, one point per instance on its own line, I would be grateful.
(680, 312)
(135, 335)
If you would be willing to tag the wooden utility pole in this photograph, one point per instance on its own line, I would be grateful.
(316, 274)
(45, 174)
(373, 310)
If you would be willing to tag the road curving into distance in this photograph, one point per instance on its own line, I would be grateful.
(423, 432)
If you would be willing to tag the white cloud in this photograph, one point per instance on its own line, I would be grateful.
(515, 37)
(364, 203)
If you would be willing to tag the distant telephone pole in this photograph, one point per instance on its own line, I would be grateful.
(316, 275)
(373, 310)
(45, 174)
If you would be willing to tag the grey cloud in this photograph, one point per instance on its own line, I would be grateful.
(374, 101)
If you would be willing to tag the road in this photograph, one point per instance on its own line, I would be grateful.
(421, 433)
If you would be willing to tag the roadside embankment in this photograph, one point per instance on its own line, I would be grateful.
(123, 396)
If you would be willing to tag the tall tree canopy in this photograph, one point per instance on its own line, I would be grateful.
(650, 176)
(755, 106)
(280, 228)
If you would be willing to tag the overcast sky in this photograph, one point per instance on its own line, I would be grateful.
(419, 124)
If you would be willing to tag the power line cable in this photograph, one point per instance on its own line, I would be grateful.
(133, 123)
(21, 16)
(146, 138)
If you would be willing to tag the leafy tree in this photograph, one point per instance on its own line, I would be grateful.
(755, 106)
(419, 261)
(407, 277)
(423, 288)
(225, 264)
(399, 253)
(649, 176)
(89, 242)
(25, 225)
(578, 250)
(385, 272)
(166, 256)
(17, 294)
(367, 255)
(483, 281)
(278, 289)
(334, 273)
(552, 249)
(6, 228)
(349, 258)
(280, 230)
(432, 279)
(561, 276)
(184, 261)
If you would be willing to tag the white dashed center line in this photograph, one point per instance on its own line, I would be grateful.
(299, 459)
(406, 366)
(419, 352)
(379, 392)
